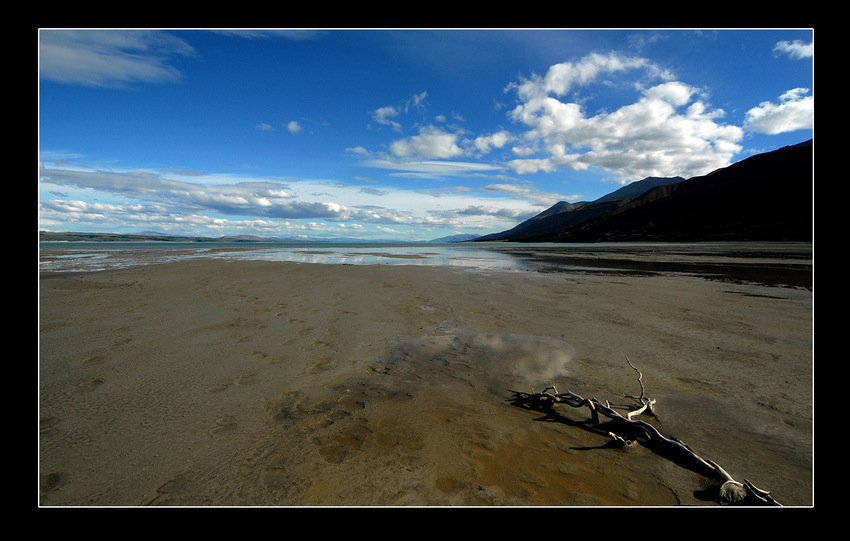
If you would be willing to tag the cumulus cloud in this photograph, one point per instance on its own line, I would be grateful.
(794, 111)
(431, 143)
(563, 77)
(486, 143)
(294, 127)
(668, 131)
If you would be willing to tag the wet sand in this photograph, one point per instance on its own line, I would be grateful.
(237, 383)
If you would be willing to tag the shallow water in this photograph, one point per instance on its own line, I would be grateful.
(781, 264)
(453, 255)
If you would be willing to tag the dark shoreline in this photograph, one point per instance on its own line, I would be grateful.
(778, 275)
(772, 264)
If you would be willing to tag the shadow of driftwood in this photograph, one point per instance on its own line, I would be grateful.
(622, 435)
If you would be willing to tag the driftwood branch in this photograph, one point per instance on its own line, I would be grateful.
(731, 491)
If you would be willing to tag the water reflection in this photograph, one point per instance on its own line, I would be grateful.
(786, 264)
(521, 359)
(454, 256)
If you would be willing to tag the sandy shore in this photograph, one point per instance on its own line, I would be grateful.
(208, 382)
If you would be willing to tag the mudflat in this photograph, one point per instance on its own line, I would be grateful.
(252, 383)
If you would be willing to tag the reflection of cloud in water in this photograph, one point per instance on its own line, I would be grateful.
(452, 256)
(536, 359)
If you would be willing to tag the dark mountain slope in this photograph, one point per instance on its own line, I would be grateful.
(765, 197)
(563, 215)
(638, 188)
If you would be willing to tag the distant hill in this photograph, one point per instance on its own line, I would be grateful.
(454, 238)
(765, 197)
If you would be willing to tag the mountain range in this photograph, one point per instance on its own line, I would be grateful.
(768, 196)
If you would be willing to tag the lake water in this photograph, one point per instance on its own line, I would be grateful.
(786, 264)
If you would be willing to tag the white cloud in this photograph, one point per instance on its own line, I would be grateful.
(109, 58)
(795, 111)
(668, 131)
(294, 127)
(562, 78)
(795, 49)
(532, 165)
(417, 101)
(198, 204)
(486, 143)
(256, 198)
(385, 115)
(431, 143)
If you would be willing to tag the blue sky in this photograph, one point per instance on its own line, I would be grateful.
(403, 134)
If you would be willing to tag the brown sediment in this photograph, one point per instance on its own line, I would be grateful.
(210, 382)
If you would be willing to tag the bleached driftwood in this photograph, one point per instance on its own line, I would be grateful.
(731, 491)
